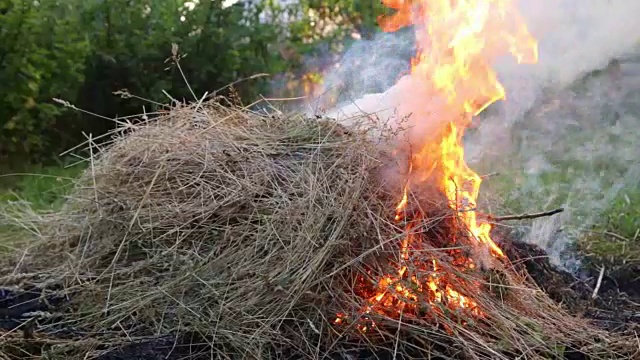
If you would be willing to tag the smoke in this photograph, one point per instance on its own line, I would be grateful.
(566, 134)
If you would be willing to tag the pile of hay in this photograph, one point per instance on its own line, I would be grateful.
(214, 222)
(215, 231)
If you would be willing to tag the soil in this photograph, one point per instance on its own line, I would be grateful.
(616, 306)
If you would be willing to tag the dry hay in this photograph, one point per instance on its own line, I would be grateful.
(216, 231)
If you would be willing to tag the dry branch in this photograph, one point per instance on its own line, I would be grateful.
(598, 283)
(486, 176)
(526, 216)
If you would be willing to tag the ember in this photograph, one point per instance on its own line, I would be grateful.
(456, 41)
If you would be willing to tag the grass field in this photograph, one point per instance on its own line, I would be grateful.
(615, 239)
(604, 225)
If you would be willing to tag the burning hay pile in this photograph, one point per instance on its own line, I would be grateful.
(213, 231)
(216, 231)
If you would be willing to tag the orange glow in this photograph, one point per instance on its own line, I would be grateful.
(456, 42)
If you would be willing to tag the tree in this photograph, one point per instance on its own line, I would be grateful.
(42, 55)
(84, 51)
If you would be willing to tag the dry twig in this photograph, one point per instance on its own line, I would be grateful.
(598, 283)
(526, 216)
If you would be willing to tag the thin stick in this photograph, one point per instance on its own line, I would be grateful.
(395, 346)
(239, 81)
(595, 291)
(526, 216)
(176, 60)
(609, 233)
(483, 177)
(93, 172)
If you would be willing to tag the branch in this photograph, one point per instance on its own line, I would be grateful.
(526, 216)
(595, 291)
(609, 233)
(489, 175)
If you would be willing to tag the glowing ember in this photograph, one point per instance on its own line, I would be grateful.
(456, 41)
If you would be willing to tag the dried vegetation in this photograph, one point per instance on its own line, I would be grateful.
(214, 231)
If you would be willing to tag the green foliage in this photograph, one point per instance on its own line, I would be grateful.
(42, 53)
(84, 51)
(42, 186)
(132, 40)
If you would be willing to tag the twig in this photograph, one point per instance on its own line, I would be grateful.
(93, 172)
(612, 234)
(595, 291)
(526, 216)
(176, 60)
(395, 346)
(483, 177)
(238, 81)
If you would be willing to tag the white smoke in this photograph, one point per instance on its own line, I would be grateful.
(564, 136)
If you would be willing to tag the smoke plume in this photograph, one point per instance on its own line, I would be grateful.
(566, 135)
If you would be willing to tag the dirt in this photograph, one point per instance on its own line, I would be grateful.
(616, 306)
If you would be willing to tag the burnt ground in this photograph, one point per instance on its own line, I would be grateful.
(615, 308)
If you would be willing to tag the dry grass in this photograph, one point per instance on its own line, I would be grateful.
(241, 235)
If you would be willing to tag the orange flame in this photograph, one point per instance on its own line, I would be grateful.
(456, 42)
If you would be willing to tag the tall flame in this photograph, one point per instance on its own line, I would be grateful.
(456, 42)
